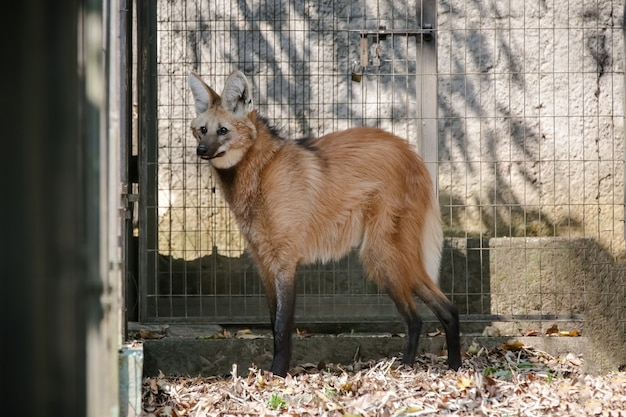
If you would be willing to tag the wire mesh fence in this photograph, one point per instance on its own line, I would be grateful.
(315, 68)
(517, 107)
(531, 151)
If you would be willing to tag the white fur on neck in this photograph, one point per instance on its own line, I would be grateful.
(228, 160)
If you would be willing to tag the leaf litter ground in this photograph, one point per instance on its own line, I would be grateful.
(511, 380)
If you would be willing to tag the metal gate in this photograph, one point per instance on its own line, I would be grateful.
(315, 67)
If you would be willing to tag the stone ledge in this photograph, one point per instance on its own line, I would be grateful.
(215, 357)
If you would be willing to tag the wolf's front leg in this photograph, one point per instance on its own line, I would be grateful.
(283, 322)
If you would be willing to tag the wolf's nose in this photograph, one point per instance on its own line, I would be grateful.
(202, 150)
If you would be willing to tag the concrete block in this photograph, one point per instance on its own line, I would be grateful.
(131, 359)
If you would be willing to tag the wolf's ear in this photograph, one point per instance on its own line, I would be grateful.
(203, 95)
(237, 94)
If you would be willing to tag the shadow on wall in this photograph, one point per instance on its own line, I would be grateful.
(285, 48)
(515, 122)
(533, 277)
(332, 286)
(501, 218)
(565, 278)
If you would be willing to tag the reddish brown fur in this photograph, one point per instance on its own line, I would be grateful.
(299, 204)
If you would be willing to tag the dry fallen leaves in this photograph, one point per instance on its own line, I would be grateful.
(510, 380)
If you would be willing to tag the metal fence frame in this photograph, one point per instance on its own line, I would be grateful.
(468, 259)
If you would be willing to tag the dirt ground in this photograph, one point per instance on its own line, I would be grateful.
(509, 380)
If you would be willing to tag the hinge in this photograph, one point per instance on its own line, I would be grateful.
(128, 199)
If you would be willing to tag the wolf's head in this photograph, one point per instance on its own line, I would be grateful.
(222, 126)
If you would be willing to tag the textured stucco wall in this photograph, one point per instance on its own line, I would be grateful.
(530, 99)
(299, 58)
(531, 119)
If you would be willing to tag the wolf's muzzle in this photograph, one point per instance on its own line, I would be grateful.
(202, 150)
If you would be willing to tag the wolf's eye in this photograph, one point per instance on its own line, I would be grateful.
(222, 131)
(203, 130)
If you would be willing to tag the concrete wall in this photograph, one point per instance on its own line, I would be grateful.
(531, 144)
(299, 58)
(530, 99)
(531, 119)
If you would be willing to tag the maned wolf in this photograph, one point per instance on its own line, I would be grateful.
(309, 200)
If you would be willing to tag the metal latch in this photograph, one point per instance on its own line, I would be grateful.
(377, 50)
(128, 199)
(382, 33)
